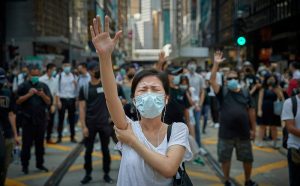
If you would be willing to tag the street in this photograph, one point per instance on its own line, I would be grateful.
(270, 166)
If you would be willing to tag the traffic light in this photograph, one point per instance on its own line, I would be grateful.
(13, 51)
(240, 27)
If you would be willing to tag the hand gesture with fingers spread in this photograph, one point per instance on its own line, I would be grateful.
(218, 57)
(102, 42)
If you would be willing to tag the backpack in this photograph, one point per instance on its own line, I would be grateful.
(285, 132)
(184, 179)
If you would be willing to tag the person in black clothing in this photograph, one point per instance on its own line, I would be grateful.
(34, 98)
(236, 130)
(7, 122)
(94, 118)
(178, 104)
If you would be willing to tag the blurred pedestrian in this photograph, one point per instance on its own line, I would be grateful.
(236, 130)
(291, 116)
(295, 73)
(67, 86)
(84, 76)
(7, 125)
(197, 82)
(147, 157)
(214, 105)
(270, 93)
(20, 78)
(94, 118)
(49, 79)
(34, 97)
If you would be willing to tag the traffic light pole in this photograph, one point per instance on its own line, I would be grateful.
(239, 59)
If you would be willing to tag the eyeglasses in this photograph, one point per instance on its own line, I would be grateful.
(231, 78)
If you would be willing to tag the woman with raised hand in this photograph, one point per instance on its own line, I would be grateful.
(147, 157)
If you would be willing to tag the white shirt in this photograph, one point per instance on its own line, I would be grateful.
(66, 86)
(18, 80)
(196, 81)
(287, 114)
(51, 82)
(83, 80)
(134, 171)
(219, 81)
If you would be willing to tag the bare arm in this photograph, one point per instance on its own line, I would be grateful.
(202, 96)
(104, 46)
(24, 98)
(82, 110)
(218, 58)
(167, 165)
(12, 120)
(260, 100)
(252, 118)
(291, 127)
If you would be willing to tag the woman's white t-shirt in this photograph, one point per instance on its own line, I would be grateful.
(135, 171)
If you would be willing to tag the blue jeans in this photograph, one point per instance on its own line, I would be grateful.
(204, 113)
(294, 170)
(197, 115)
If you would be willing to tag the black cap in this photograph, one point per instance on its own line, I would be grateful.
(174, 70)
(2, 76)
(92, 65)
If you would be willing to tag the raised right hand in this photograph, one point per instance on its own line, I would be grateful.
(218, 57)
(102, 41)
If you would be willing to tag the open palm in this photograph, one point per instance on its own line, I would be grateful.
(218, 57)
(102, 41)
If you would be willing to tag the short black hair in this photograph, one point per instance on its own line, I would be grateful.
(192, 60)
(34, 67)
(83, 64)
(50, 66)
(184, 77)
(150, 72)
(267, 77)
(295, 65)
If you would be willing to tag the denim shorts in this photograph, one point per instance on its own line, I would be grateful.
(243, 149)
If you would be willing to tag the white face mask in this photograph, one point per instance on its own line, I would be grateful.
(192, 67)
(150, 105)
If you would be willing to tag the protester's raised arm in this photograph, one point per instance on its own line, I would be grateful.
(218, 58)
(105, 45)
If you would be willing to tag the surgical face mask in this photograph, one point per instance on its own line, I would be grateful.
(97, 74)
(183, 87)
(34, 79)
(150, 105)
(192, 67)
(233, 84)
(130, 75)
(53, 74)
(67, 70)
(176, 80)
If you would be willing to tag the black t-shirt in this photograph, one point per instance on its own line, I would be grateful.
(97, 114)
(34, 108)
(176, 106)
(7, 105)
(234, 118)
(251, 80)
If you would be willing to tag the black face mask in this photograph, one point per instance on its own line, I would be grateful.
(130, 76)
(97, 74)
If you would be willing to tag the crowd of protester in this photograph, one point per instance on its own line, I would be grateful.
(30, 101)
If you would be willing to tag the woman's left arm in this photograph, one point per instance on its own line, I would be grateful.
(167, 165)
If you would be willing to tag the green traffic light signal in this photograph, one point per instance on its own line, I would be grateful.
(241, 40)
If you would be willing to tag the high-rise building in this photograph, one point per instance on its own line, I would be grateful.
(54, 30)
